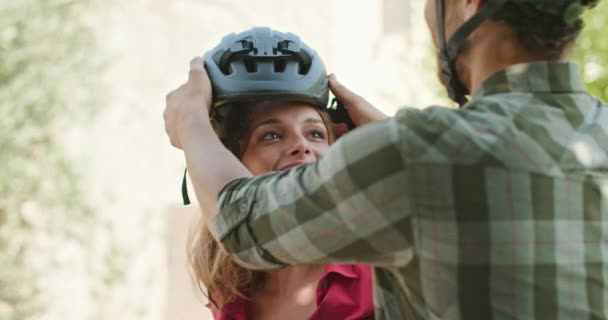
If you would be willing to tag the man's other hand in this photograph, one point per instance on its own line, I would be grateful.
(188, 105)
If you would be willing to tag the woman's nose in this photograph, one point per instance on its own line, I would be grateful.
(301, 146)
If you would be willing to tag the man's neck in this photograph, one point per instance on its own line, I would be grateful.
(495, 49)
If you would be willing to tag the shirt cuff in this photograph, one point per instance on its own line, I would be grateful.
(236, 204)
(231, 217)
(234, 209)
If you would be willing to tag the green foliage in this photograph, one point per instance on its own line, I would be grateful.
(45, 83)
(592, 51)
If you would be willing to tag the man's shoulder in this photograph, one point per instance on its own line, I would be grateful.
(440, 117)
(473, 120)
(482, 131)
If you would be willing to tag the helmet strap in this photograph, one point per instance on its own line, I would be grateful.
(185, 196)
(449, 50)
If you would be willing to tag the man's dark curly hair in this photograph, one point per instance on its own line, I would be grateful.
(542, 32)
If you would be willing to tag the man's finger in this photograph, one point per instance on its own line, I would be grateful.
(344, 94)
(197, 70)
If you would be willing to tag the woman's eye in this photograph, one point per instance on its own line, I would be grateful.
(317, 134)
(270, 136)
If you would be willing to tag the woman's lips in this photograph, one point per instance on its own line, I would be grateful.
(291, 165)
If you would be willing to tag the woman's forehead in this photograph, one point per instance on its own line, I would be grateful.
(282, 111)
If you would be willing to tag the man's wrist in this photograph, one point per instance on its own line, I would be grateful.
(195, 128)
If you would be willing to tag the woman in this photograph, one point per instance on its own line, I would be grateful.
(269, 111)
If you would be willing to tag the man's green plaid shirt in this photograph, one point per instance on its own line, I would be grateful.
(498, 210)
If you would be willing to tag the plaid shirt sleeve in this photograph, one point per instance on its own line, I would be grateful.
(352, 205)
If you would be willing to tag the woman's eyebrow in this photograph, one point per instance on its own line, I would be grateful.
(277, 121)
(267, 121)
(313, 120)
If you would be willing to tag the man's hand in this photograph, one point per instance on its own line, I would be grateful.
(188, 105)
(359, 110)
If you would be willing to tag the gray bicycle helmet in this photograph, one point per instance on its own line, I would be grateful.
(450, 48)
(261, 64)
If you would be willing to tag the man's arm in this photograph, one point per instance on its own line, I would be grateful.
(210, 165)
(352, 205)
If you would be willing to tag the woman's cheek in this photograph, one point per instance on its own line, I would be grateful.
(265, 158)
(322, 149)
(271, 156)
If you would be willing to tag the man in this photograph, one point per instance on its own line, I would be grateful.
(497, 210)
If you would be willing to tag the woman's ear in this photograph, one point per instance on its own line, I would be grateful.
(471, 7)
(339, 129)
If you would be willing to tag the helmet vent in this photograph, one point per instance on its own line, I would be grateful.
(250, 65)
(303, 68)
(226, 69)
(280, 65)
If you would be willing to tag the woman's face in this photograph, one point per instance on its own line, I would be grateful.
(281, 136)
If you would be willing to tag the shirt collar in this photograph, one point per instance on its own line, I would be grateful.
(345, 270)
(539, 77)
